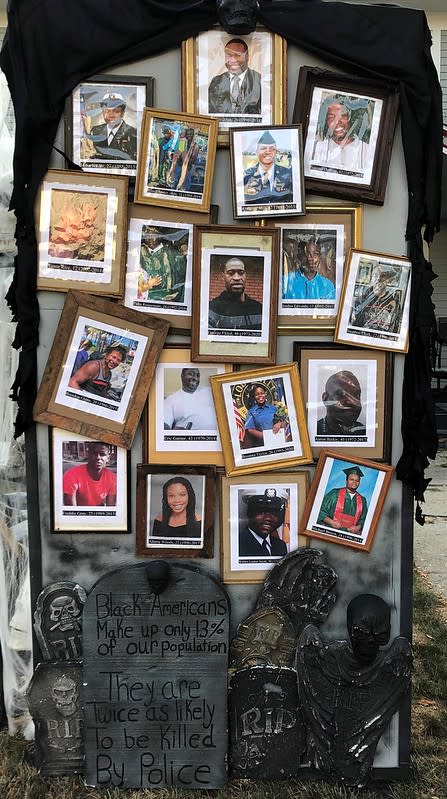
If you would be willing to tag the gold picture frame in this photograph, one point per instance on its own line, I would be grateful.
(237, 567)
(279, 439)
(348, 394)
(205, 85)
(332, 475)
(229, 320)
(178, 424)
(81, 232)
(331, 230)
(176, 160)
(103, 397)
(375, 301)
(170, 257)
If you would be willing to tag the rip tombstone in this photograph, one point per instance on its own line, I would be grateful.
(55, 703)
(155, 678)
(58, 621)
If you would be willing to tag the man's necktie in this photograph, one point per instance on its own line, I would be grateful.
(265, 180)
(235, 90)
(110, 138)
(264, 547)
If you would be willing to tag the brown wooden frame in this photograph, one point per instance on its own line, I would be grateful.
(316, 87)
(206, 547)
(323, 478)
(113, 323)
(259, 248)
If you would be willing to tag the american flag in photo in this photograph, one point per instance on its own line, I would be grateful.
(239, 422)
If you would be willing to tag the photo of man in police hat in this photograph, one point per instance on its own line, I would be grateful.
(114, 139)
(265, 512)
(345, 508)
(267, 182)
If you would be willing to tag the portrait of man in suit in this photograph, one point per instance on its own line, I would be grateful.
(238, 89)
(259, 537)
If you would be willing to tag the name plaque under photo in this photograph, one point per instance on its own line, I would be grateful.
(155, 678)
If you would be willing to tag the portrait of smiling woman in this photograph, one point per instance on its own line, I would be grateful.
(178, 516)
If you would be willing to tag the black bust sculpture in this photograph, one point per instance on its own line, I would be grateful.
(349, 691)
(237, 17)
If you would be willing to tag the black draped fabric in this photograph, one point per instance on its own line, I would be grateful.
(51, 45)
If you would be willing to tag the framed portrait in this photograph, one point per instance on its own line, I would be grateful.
(90, 490)
(345, 500)
(180, 418)
(103, 122)
(313, 253)
(240, 80)
(267, 171)
(375, 301)
(99, 369)
(176, 160)
(175, 511)
(348, 394)
(261, 419)
(258, 509)
(235, 279)
(80, 224)
(349, 127)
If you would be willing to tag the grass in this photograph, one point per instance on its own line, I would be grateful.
(19, 779)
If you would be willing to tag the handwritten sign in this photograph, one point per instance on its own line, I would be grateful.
(155, 680)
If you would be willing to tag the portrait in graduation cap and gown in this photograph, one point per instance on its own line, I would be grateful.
(267, 183)
(344, 508)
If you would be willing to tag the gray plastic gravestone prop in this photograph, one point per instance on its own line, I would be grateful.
(58, 621)
(349, 691)
(55, 703)
(267, 736)
(155, 678)
(267, 732)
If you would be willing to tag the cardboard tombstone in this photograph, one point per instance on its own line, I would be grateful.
(58, 621)
(155, 678)
(55, 702)
(349, 690)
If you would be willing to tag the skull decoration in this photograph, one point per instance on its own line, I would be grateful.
(237, 17)
(64, 694)
(368, 620)
(65, 614)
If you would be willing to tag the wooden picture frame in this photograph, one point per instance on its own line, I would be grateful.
(267, 171)
(375, 302)
(349, 127)
(240, 567)
(235, 284)
(319, 242)
(87, 114)
(348, 395)
(280, 439)
(108, 404)
(176, 160)
(355, 530)
(80, 223)
(193, 433)
(192, 496)
(85, 503)
(206, 82)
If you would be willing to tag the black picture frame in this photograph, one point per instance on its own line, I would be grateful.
(371, 107)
